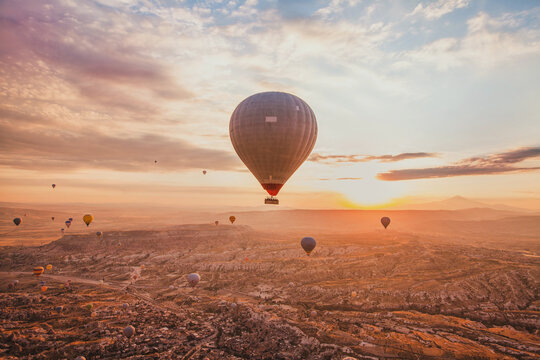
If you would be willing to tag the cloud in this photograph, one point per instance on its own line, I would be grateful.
(43, 149)
(437, 9)
(489, 42)
(490, 165)
(329, 159)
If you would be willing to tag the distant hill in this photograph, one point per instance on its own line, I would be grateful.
(459, 203)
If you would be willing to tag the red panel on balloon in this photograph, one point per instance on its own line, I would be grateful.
(272, 189)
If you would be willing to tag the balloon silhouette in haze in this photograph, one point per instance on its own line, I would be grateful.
(53, 186)
(193, 279)
(17, 221)
(232, 219)
(308, 244)
(129, 331)
(385, 221)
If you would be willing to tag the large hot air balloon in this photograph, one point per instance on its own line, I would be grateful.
(38, 270)
(88, 219)
(68, 223)
(385, 221)
(49, 267)
(129, 331)
(308, 244)
(53, 186)
(273, 133)
(193, 279)
(17, 221)
(232, 219)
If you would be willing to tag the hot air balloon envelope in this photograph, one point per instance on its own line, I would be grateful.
(232, 219)
(273, 133)
(129, 331)
(193, 279)
(88, 219)
(308, 244)
(385, 221)
(49, 267)
(17, 221)
(38, 270)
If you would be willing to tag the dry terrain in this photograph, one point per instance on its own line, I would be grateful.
(453, 284)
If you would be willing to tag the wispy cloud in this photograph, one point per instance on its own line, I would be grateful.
(493, 164)
(43, 149)
(435, 10)
(329, 159)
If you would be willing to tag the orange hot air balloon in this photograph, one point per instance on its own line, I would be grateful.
(44, 288)
(273, 133)
(88, 218)
(385, 221)
(232, 219)
(38, 270)
(49, 267)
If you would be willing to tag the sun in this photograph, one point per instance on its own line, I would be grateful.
(371, 193)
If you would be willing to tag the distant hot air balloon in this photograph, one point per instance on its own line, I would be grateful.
(193, 279)
(99, 234)
(80, 358)
(38, 270)
(70, 219)
(216, 222)
(142, 267)
(53, 186)
(52, 218)
(59, 309)
(308, 244)
(68, 223)
(353, 294)
(42, 283)
(49, 267)
(62, 230)
(129, 331)
(232, 219)
(273, 133)
(89, 307)
(155, 161)
(88, 219)
(125, 306)
(204, 172)
(17, 221)
(385, 221)
(44, 288)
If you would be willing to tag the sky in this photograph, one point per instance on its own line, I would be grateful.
(415, 100)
